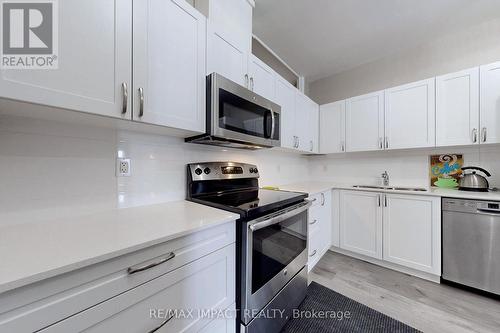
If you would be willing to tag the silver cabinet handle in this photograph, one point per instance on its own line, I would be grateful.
(385, 200)
(311, 145)
(162, 324)
(125, 97)
(378, 200)
(246, 80)
(386, 142)
(484, 136)
(313, 222)
(474, 135)
(380, 144)
(137, 269)
(322, 199)
(342, 146)
(141, 102)
(313, 254)
(312, 200)
(298, 142)
(251, 83)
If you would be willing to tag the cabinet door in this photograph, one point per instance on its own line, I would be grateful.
(332, 128)
(410, 112)
(262, 78)
(490, 103)
(204, 284)
(95, 47)
(313, 127)
(226, 59)
(457, 108)
(302, 119)
(326, 221)
(285, 97)
(335, 220)
(225, 324)
(412, 232)
(361, 223)
(365, 122)
(169, 64)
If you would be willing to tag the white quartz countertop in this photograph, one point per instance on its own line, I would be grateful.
(31, 252)
(317, 187)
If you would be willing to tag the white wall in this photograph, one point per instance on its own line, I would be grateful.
(54, 169)
(469, 47)
(410, 167)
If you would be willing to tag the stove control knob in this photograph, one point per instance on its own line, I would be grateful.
(206, 171)
(251, 170)
(198, 171)
(255, 170)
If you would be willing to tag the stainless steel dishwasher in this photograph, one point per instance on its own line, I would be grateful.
(471, 243)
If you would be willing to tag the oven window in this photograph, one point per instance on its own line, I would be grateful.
(274, 247)
(239, 115)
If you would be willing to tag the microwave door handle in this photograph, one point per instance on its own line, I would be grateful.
(263, 222)
(273, 124)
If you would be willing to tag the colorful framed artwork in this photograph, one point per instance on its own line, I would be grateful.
(445, 170)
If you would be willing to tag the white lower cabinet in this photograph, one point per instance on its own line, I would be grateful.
(319, 228)
(412, 232)
(223, 324)
(361, 223)
(194, 272)
(207, 283)
(397, 228)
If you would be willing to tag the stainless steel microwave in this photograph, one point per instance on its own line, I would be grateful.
(238, 118)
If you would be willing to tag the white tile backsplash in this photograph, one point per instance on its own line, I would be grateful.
(57, 169)
(50, 169)
(408, 167)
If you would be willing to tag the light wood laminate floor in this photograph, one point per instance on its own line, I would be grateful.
(427, 306)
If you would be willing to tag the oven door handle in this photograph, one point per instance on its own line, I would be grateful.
(266, 221)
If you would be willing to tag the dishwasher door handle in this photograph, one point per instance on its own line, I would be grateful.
(489, 211)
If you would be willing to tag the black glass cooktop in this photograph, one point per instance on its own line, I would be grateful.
(252, 203)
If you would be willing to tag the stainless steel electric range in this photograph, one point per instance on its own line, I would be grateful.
(271, 241)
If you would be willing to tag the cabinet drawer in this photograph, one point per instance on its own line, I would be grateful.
(314, 248)
(41, 304)
(314, 219)
(202, 285)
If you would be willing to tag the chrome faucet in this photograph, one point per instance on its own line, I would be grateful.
(385, 178)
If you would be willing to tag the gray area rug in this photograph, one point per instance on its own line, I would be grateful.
(345, 315)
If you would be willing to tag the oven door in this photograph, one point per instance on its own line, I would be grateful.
(238, 114)
(275, 250)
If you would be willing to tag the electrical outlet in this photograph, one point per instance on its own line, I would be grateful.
(123, 167)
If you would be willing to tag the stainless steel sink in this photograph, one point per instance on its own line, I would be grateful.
(396, 188)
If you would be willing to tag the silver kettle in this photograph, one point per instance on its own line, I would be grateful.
(474, 182)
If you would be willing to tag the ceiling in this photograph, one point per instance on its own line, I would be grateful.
(319, 38)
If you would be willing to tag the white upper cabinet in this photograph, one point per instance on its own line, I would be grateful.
(361, 229)
(262, 78)
(307, 123)
(285, 97)
(457, 108)
(302, 121)
(95, 62)
(229, 37)
(490, 103)
(332, 128)
(169, 64)
(313, 127)
(410, 115)
(412, 231)
(365, 122)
